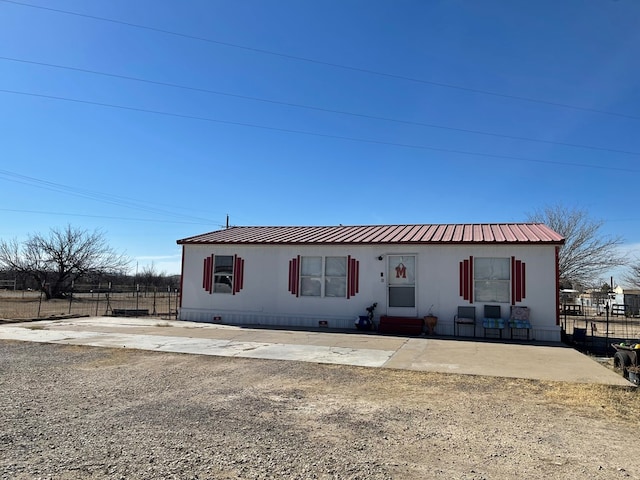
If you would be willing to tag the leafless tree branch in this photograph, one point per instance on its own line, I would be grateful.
(586, 253)
(632, 276)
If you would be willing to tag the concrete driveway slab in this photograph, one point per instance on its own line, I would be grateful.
(447, 355)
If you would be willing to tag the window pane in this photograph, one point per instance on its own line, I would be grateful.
(402, 270)
(335, 287)
(492, 291)
(402, 297)
(310, 286)
(223, 264)
(492, 269)
(311, 267)
(222, 283)
(336, 266)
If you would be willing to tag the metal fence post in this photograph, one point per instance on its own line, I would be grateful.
(70, 297)
(98, 299)
(40, 301)
(606, 345)
(169, 292)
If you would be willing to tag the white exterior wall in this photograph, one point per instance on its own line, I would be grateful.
(265, 299)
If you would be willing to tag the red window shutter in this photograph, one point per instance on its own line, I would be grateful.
(466, 279)
(294, 275)
(470, 279)
(204, 274)
(518, 284)
(238, 274)
(353, 276)
(207, 274)
(518, 281)
(357, 277)
(513, 280)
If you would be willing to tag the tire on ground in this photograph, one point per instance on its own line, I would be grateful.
(621, 361)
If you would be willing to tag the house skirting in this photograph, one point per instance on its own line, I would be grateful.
(444, 328)
(262, 319)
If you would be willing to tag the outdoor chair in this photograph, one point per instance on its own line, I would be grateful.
(519, 319)
(465, 316)
(492, 319)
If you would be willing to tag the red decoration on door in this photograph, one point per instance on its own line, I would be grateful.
(401, 271)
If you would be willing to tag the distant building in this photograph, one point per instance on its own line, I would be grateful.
(627, 300)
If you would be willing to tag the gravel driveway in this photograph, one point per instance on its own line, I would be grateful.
(72, 412)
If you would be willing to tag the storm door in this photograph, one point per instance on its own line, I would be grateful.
(401, 285)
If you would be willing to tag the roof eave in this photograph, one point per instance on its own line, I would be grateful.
(517, 242)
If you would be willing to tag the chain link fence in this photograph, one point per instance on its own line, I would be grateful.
(593, 322)
(91, 300)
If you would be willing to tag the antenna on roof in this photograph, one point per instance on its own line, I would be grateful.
(227, 220)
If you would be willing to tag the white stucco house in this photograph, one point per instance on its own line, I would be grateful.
(327, 276)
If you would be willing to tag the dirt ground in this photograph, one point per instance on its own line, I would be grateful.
(30, 305)
(82, 412)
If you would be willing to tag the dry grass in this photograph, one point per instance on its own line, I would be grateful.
(620, 402)
(588, 399)
(115, 358)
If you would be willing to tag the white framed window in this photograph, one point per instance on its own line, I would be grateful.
(492, 279)
(323, 276)
(223, 274)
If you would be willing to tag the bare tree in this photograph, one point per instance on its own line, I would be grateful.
(149, 276)
(632, 275)
(61, 257)
(586, 253)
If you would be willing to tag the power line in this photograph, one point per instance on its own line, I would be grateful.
(321, 135)
(329, 64)
(101, 197)
(105, 217)
(316, 108)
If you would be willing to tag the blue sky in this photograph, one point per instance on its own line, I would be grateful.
(295, 112)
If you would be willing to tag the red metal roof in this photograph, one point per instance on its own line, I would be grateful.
(494, 233)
